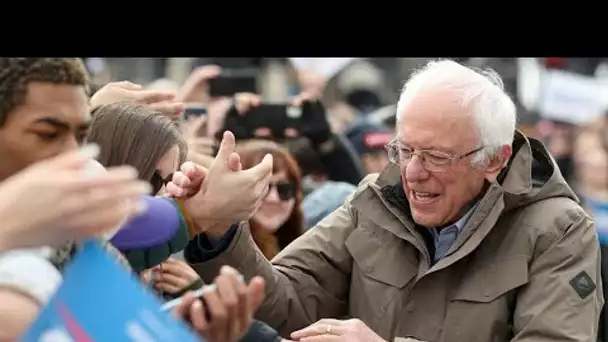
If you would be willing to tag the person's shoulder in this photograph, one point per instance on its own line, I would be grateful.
(555, 216)
(363, 185)
(369, 179)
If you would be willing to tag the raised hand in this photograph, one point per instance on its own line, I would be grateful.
(196, 89)
(165, 102)
(37, 209)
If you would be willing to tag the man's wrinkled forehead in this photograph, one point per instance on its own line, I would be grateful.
(436, 124)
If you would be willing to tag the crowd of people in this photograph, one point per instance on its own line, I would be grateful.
(443, 222)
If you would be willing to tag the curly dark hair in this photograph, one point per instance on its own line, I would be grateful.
(17, 73)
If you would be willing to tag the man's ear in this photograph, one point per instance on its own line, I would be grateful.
(498, 162)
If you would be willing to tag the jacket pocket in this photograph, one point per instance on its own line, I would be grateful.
(383, 267)
(481, 307)
(493, 280)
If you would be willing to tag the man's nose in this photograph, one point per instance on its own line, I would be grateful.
(415, 171)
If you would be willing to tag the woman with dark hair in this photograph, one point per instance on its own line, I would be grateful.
(279, 220)
(132, 134)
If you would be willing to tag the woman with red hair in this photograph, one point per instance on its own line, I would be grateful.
(279, 220)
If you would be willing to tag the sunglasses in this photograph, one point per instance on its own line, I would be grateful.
(286, 190)
(158, 181)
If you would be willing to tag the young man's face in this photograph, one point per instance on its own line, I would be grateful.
(53, 119)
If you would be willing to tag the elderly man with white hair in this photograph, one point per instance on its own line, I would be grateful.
(454, 241)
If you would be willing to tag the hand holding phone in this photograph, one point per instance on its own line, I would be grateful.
(277, 121)
(200, 307)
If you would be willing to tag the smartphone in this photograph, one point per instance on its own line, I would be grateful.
(233, 81)
(308, 120)
(194, 110)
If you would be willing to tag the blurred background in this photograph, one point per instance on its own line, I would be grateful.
(562, 101)
(532, 82)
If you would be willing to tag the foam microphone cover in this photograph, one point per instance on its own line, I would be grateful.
(156, 225)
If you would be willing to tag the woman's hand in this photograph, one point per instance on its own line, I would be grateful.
(173, 276)
(196, 89)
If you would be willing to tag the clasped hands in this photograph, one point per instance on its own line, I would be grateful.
(224, 194)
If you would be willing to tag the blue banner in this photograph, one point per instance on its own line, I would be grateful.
(99, 300)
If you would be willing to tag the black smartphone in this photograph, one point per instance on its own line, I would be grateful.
(228, 86)
(307, 120)
(233, 81)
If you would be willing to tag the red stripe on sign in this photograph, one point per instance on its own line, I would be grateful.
(72, 325)
(374, 140)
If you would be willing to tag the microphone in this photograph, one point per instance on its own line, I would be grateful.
(156, 225)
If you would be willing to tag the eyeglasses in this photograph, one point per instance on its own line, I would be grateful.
(432, 161)
(286, 190)
(158, 181)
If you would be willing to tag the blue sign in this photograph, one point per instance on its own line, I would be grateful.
(99, 300)
(599, 212)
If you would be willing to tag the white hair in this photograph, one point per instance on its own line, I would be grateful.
(481, 91)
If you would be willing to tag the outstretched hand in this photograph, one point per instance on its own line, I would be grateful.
(74, 204)
(165, 102)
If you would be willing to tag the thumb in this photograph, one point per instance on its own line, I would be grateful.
(182, 309)
(263, 169)
(72, 160)
(256, 293)
(234, 162)
(226, 148)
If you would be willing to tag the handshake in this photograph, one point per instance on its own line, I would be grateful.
(224, 194)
